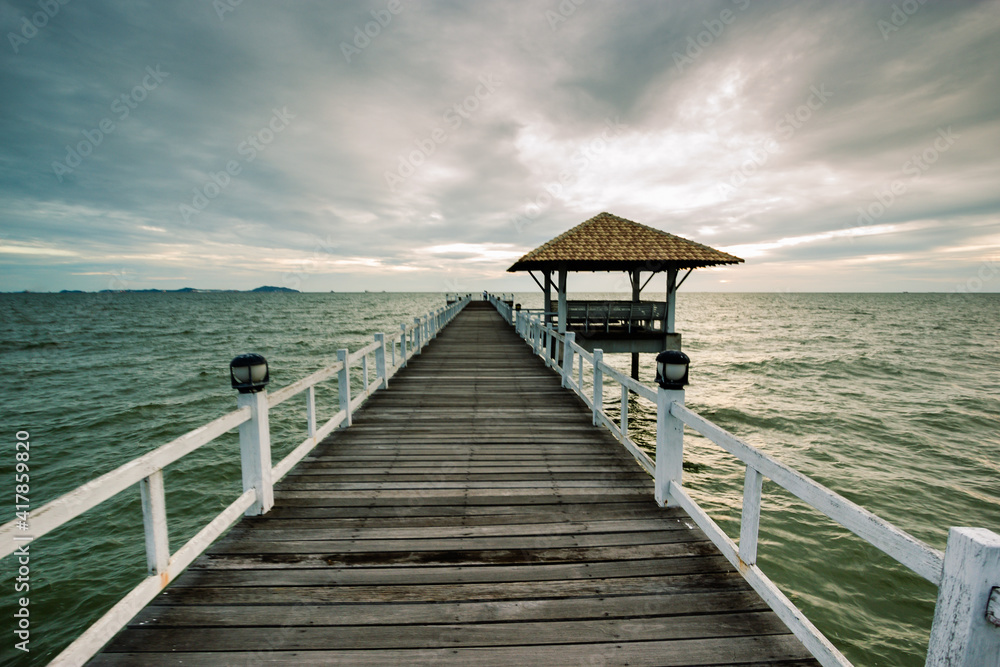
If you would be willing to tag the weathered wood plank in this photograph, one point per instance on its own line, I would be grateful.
(450, 473)
(455, 592)
(482, 501)
(262, 545)
(464, 512)
(620, 554)
(610, 526)
(494, 494)
(454, 635)
(356, 576)
(496, 611)
(316, 519)
(431, 484)
(742, 650)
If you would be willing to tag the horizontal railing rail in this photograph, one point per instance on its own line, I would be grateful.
(967, 573)
(259, 473)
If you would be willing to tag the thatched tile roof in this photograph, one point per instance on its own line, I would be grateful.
(609, 243)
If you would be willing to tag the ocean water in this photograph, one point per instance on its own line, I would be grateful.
(889, 399)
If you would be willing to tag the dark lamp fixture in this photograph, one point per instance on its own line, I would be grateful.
(672, 369)
(249, 373)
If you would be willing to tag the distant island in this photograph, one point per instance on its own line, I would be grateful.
(185, 290)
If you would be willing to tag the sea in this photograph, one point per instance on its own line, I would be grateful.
(891, 400)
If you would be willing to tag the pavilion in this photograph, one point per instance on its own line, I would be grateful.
(607, 242)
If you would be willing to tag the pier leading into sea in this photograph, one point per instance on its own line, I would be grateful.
(471, 513)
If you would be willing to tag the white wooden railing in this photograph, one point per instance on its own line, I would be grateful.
(389, 353)
(967, 615)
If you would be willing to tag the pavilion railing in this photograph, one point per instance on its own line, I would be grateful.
(966, 626)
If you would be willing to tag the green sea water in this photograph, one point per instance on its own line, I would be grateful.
(889, 399)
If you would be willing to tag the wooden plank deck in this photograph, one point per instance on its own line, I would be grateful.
(472, 514)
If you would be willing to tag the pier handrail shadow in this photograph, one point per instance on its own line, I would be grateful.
(390, 352)
(966, 625)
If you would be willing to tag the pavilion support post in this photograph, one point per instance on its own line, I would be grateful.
(562, 301)
(562, 304)
(671, 299)
(547, 307)
(636, 289)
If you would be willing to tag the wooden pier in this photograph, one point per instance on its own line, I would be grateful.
(471, 514)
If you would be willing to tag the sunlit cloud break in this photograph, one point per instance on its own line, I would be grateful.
(749, 250)
(477, 252)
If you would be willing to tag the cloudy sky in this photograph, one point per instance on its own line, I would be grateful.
(418, 145)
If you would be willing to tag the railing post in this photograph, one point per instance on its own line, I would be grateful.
(255, 452)
(753, 483)
(418, 341)
(669, 443)
(624, 410)
(311, 410)
(402, 345)
(547, 339)
(962, 634)
(364, 372)
(344, 384)
(154, 521)
(598, 386)
(567, 365)
(380, 360)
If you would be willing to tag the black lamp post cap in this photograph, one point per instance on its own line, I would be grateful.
(249, 373)
(672, 369)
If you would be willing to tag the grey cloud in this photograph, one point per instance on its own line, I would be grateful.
(319, 186)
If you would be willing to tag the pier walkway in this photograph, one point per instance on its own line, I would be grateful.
(471, 514)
